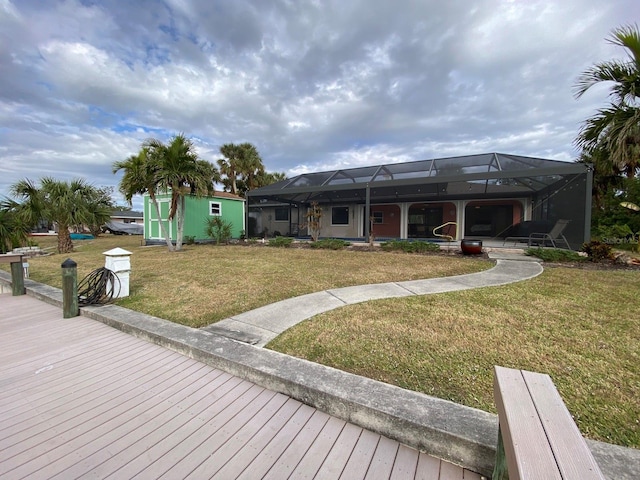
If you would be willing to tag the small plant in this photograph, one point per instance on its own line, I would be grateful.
(314, 217)
(554, 254)
(598, 251)
(218, 229)
(281, 242)
(189, 239)
(330, 244)
(410, 247)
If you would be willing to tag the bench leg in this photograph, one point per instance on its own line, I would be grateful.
(500, 471)
(17, 279)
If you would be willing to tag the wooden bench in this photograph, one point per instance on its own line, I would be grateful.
(538, 438)
(17, 273)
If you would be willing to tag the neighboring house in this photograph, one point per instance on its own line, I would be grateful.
(125, 222)
(127, 216)
(197, 210)
(479, 196)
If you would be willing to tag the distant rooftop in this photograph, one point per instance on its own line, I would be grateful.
(126, 214)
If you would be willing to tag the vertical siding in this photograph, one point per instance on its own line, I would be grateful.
(197, 213)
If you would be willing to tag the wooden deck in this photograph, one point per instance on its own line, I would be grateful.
(79, 399)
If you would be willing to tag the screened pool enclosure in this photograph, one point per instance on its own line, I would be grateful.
(491, 196)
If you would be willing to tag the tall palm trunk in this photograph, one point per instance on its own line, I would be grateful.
(65, 245)
(180, 222)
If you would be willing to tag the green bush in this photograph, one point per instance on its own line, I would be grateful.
(598, 251)
(330, 244)
(409, 247)
(218, 229)
(280, 242)
(189, 239)
(555, 254)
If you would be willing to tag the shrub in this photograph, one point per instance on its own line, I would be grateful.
(218, 229)
(280, 242)
(598, 251)
(410, 247)
(554, 254)
(330, 244)
(189, 239)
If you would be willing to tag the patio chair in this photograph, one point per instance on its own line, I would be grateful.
(553, 236)
(520, 231)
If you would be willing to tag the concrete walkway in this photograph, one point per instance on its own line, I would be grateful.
(258, 327)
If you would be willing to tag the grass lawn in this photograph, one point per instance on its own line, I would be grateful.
(204, 283)
(580, 326)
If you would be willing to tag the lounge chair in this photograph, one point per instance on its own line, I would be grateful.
(520, 231)
(553, 236)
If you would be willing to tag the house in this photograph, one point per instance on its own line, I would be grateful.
(125, 222)
(477, 196)
(197, 210)
(127, 216)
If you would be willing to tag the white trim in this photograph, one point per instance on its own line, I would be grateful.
(168, 224)
(211, 204)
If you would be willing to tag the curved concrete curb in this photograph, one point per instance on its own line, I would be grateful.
(258, 327)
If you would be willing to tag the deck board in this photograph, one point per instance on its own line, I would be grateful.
(81, 399)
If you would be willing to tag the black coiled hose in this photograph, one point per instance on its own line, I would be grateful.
(98, 288)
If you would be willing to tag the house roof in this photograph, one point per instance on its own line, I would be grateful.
(490, 175)
(126, 214)
(216, 194)
(227, 195)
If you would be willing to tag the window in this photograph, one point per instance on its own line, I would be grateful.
(377, 217)
(215, 209)
(340, 216)
(282, 214)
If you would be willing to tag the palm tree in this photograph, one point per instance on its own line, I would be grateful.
(180, 171)
(65, 203)
(268, 178)
(251, 167)
(13, 230)
(100, 201)
(616, 129)
(606, 176)
(241, 168)
(230, 166)
(141, 176)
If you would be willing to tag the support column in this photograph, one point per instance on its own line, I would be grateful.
(367, 212)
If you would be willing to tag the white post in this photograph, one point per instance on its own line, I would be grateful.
(119, 262)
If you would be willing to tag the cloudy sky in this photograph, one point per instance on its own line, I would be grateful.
(315, 85)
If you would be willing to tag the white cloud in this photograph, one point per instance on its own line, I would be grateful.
(314, 85)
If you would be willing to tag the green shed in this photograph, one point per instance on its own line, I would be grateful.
(197, 210)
